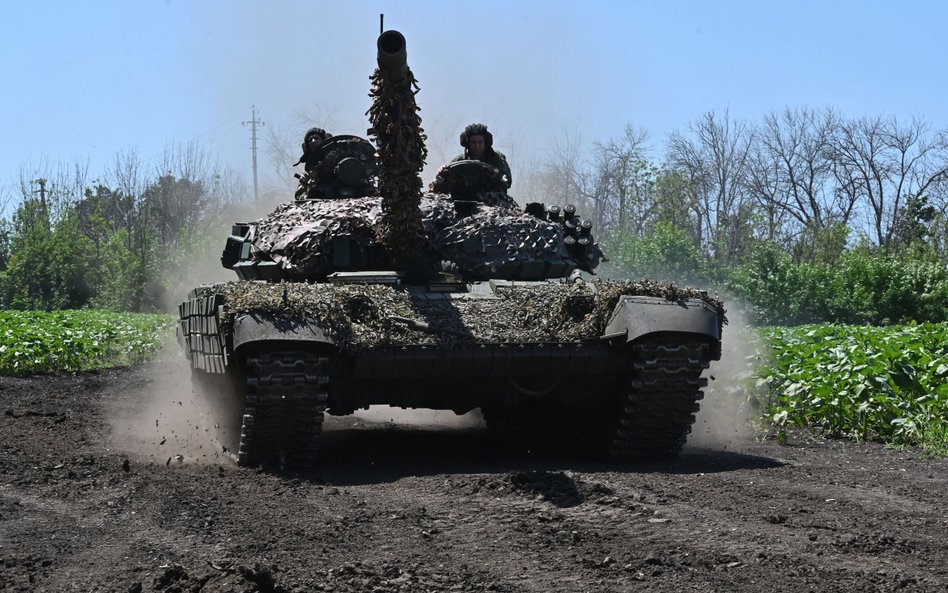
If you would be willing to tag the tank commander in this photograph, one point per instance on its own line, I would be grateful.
(313, 138)
(308, 179)
(478, 145)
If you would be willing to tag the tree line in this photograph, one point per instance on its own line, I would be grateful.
(800, 178)
(122, 242)
(807, 215)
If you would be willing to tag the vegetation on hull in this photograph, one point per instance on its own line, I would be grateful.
(367, 316)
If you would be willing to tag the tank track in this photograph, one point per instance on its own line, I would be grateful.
(659, 408)
(285, 405)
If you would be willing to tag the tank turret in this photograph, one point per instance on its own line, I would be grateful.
(363, 209)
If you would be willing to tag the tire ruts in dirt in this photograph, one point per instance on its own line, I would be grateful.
(285, 406)
(659, 408)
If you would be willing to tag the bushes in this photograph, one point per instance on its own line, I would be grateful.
(858, 286)
(862, 287)
(667, 253)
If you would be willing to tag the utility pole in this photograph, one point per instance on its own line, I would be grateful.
(44, 211)
(41, 191)
(253, 147)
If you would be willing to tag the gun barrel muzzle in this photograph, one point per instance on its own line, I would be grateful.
(392, 55)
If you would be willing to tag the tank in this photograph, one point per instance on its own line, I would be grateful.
(366, 290)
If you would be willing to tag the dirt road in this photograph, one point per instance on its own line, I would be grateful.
(93, 498)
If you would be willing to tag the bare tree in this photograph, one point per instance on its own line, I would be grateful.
(765, 182)
(180, 199)
(282, 144)
(626, 198)
(791, 169)
(56, 186)
(6, 200)
(283, 149)
(230, 187)
(563, 180)
(185, 161)
(715, 158)
(879, 163)
(126, 177)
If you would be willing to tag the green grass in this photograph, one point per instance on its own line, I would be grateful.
(887, 384)
(78, 340)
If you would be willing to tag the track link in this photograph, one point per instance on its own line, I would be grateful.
(284, 409)
(659, 408)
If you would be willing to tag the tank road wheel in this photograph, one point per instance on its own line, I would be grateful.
(658, 408)
(285, 406)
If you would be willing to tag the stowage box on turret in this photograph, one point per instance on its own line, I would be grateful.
(366, 290)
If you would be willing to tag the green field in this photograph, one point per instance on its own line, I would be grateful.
(887, 384)
(78, 340)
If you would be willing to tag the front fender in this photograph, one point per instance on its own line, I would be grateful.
(637, 316)
(261, 327)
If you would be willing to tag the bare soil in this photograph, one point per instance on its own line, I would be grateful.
(105, 489)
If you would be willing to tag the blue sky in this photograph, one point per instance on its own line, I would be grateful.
(84, 80)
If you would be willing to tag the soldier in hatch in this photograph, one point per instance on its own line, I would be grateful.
(478, 145)
(313, 138)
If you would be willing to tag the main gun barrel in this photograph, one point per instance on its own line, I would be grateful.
(392, 55)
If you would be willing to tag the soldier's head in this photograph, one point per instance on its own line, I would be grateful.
(313, 138)
(477, 140)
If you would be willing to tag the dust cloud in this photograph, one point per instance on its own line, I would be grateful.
(201, 263)
(727, 410)
(164, 419)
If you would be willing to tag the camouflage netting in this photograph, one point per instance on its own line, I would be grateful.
(360, 317)
(298, 235)
(494, 238)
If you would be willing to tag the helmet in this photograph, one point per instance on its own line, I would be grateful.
(477, 130)
(322, 134)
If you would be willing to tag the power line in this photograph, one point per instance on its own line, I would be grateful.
(213, 130)
(253, 146)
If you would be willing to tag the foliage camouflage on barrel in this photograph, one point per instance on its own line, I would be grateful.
(396, 129)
